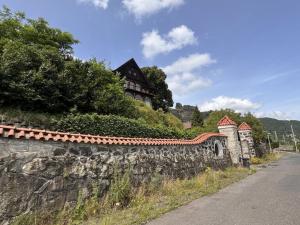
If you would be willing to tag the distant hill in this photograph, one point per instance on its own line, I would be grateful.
(281, 126)
(185, 112)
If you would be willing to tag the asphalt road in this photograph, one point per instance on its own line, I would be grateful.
(269, 197)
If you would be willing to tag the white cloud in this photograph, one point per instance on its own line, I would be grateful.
(274, 114)
(189, 63)
(153, 43)
(97, 3)
(140, 8)
(183, 84)
(224, 102)
(183, 75)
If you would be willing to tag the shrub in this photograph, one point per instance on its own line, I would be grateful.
(266, 158)
(275, 145)
(120, 190)
(112, 125)
(256, 160)
(157, 117)
(155, 183)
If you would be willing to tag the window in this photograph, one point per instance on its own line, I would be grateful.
(132, 85)
(138, 87)
(126, 84)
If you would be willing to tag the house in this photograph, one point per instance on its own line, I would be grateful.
(136, 84)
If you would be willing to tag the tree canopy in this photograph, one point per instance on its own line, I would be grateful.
(38, 71)
(157, 81)
(197, 118)
(214, 117)
(256, 125)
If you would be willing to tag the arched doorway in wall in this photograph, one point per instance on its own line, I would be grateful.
(218, 149)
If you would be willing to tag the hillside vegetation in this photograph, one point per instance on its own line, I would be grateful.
(281, 126)
(43, 85)
(211, 119)
(39, 73)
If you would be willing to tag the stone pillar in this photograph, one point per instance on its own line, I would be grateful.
(245, 133)
(228, 127)
(245, 149)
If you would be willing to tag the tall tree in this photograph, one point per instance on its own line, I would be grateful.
(157, 81)
(214, 117)
(32, 57)
(197, 119)
(38, 71)
(257, 127)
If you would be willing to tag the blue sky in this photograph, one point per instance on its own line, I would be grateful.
(217, 53)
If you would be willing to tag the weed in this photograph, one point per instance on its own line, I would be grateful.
(125, 205)
(266, 158)
(120, 190)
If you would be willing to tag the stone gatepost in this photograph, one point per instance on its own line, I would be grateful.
(245, 133)
(228, 127)
(245, 149)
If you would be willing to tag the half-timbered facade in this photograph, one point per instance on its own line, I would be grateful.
(136, 84)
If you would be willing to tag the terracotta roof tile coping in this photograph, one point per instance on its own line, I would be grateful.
(226, 121)
(35, 134)
(244, 126)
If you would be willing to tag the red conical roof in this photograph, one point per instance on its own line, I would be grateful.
(245, 126)
(226, 121)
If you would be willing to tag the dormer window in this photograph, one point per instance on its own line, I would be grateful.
(132, 85)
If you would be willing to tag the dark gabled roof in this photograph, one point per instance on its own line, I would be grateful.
(132, 72)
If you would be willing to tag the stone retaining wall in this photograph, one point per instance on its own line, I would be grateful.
(47, 174)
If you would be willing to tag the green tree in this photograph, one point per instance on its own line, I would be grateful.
(94, 88)
(197, 119)
(178, 105)
(39, 73)
(157, 81)
(257, 127)
(32, 56)
(215, 116)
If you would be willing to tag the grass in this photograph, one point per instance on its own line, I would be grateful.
(42, 119)
(266, 158)
(139, 205)
(170, 195)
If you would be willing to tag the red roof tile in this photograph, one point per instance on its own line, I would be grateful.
(25, 133)
(226, 121)
(245, 126)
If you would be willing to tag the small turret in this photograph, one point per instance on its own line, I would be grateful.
(228, 127)
(245, 133)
